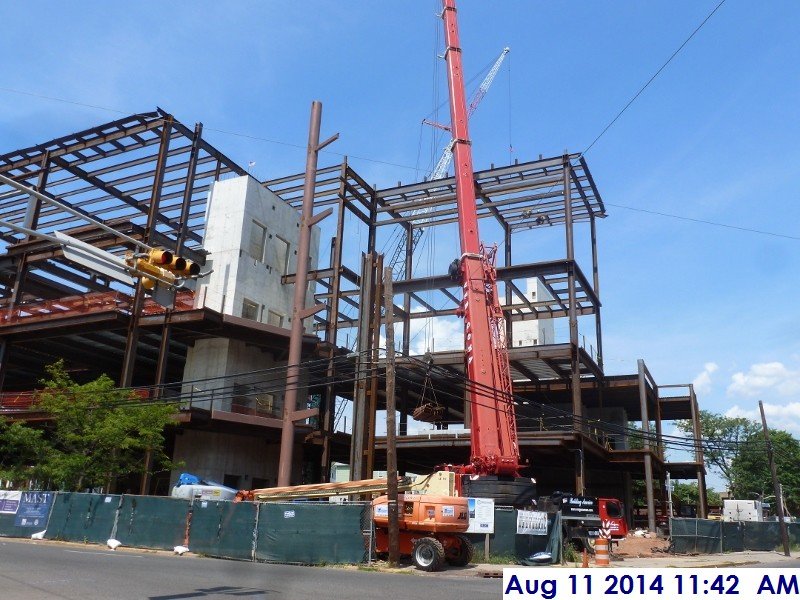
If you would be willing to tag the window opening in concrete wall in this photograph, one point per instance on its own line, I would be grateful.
(281, 255)
(249, 310)
(260, 483)
(258, 241)
(274, 318)
(231, 481)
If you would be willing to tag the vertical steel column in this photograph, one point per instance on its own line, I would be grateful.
(332, 329)
(132, 341)
(407, 326)
(191, 171)
(31, 222)
(375, 328)
(697, 434)
(299, 310)
(577, 406)
(507, 263)
(391, 428)
(648, 459)
(362, 363)
(596, 280)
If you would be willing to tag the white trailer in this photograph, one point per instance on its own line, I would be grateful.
(742, 510)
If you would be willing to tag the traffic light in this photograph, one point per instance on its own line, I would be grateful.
(163, 267)
(151, 265)
(183, 267)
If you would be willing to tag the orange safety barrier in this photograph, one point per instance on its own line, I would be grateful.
(601, 556)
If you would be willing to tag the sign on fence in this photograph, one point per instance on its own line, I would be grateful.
(34, 507)
(9, 502)
(481, 515)
(531, 522)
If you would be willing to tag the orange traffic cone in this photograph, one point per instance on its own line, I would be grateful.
(601, 558)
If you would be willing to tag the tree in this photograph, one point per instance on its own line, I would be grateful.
(751, 474)
(689, 494)
(721, 439)
(95, 433)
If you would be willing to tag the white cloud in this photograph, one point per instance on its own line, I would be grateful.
(702, 383)
(772, 378)
(779, 416)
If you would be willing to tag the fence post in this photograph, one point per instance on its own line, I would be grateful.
(721, 547)
(255, 531)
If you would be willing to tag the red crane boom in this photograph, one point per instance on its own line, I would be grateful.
(495, 449)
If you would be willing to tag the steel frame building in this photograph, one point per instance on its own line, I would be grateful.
(147, 176)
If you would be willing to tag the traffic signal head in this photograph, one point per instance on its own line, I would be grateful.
(181, 266)
(162, 258)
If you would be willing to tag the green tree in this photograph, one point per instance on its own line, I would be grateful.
(95, 434)
(750, 470)
(721, 439)
(689, 494)
(23, 453)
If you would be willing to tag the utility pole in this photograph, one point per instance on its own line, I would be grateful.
(391, 430)
(299, 310)
(776, 486)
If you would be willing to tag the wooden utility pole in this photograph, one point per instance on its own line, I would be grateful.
(775, 485)
(391, 430)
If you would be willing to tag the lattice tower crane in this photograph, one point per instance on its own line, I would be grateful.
(440, 171)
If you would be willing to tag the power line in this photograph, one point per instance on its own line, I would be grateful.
(656, 74)
(705, 222)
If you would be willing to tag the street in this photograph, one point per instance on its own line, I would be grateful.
(45, 570)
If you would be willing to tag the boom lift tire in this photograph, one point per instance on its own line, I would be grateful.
(428, 554)
(460, 554)
(505, 491)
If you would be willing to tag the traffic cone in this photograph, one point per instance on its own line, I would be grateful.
(601, 558)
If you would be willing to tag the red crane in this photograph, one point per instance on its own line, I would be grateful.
(495, 448)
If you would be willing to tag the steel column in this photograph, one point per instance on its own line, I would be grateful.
(299, 310)
(183, 228)
(697, 434)
(31, 222)
(362, 365)
(577, 406)
(132, 342)
(596, 280)
(648, 459)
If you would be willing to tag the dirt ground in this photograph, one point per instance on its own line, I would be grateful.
(641, 547)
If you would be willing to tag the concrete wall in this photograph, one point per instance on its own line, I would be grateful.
(212, 455)
(240, 272)
(232, 207)
(534, 332)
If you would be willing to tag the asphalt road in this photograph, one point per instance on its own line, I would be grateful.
(44, 571)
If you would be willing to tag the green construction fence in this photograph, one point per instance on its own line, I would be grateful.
(507, 543)
(223, 529)
(314, 532)
(703, 536)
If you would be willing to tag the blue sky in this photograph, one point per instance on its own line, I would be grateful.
(714, 138)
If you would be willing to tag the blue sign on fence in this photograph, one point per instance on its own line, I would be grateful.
(34, 507)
